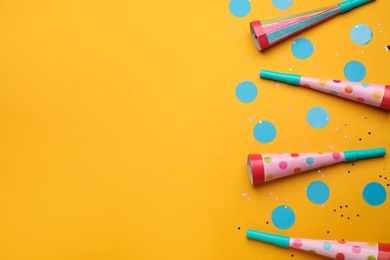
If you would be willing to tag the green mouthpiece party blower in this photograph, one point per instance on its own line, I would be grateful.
(267, 32)
(267, 167)
(369, 94)
(329, 248)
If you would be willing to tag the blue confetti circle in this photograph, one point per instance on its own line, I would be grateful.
(354, 71)
(264, 132)
(239, 8)
(318, 192)
(302, 48)
(317, 117)
(246, 91)
(282, 4)
(283, 217)
(374, 194)
(361, 34)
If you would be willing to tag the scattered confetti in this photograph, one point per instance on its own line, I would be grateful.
(283, 217)
(264, 132)
(318, 192)
(246, 91)
(317, 117)
(239, 8)
(374, 194)
(355, 71)
(302, 48)
(361, 34)
(282, 4)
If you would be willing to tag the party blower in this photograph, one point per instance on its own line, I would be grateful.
(329, 248)
(266, 167)
(267, 32)
(369, 94)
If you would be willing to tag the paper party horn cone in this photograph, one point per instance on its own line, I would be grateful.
(369, 94)
(267, 167)
(270, 31)
(330, 248)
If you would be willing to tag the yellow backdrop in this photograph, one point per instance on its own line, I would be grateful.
(122, 137)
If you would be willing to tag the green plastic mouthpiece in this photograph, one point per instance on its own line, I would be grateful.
(293, 79)
(350, 4)
(353, 155)
(278, 240)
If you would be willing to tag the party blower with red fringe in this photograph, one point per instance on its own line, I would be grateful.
(267, 167)
(268, 32)
(341, 250)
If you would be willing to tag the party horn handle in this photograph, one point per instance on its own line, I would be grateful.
(278, 240)
(350, 4)
(353, 155)
(293, 79)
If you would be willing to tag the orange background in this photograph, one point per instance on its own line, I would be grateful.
(122, 137)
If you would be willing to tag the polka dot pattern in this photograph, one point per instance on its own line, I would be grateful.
(309, 160)
(322, 82)
(340, 256)
(336, 156)
(297, 170)
(356, 249)
(361, 100)
(370, 94)
(377, 94)
(348, 89)
(327, 246)
(297, 243)
(335, 249)
(281, 165)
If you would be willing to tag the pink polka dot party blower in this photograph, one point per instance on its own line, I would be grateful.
(268, 32)
(267, 167)
(369, 94)
(333, 249)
